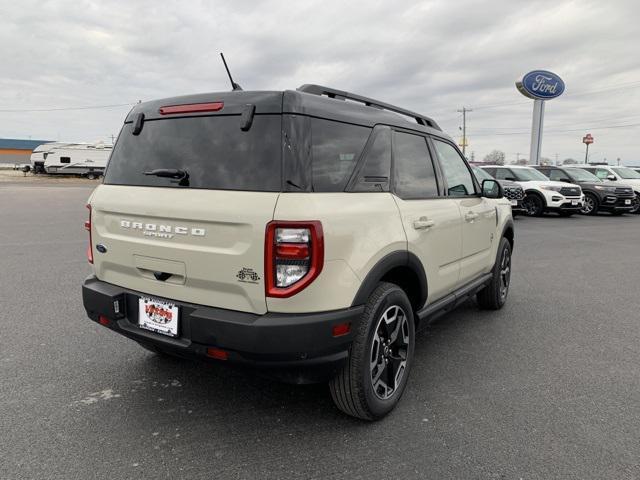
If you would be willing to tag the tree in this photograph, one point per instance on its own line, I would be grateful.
(569, 161)
(522, 161)
(495, 157)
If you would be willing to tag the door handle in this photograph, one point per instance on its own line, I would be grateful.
(423, 223)
(470, 216)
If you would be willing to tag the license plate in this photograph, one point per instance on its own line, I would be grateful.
(158, 316)
(514, 203)
(627, 202)
(574, 202)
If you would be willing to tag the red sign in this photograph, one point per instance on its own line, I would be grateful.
(587, 139)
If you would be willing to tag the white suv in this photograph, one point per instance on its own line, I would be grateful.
(294, 232)
(622, 176)
(542, 195)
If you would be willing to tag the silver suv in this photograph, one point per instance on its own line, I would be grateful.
(295, 232)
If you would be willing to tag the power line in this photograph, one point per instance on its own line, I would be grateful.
(58, 109)
(605, 127)
(621, 86)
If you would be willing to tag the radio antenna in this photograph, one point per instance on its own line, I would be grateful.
(234, 85)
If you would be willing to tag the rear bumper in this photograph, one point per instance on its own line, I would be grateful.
(299, 348)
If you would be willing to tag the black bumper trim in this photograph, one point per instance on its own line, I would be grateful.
(301, 343)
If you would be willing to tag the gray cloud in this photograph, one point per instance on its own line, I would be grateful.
(433, 57)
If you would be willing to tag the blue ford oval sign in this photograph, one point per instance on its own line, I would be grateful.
(541, 84)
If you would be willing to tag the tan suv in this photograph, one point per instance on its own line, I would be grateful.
(307, 233)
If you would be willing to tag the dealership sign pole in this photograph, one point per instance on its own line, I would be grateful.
(539, 85)
(587, 140)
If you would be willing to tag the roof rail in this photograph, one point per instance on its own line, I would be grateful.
(369, 102)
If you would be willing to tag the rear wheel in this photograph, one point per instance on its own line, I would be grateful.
(590, 204)
(91, 176)
(533, 205)
(372, 381)
(494, 295)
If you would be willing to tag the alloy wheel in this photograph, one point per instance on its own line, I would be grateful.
(531, 205)
(505, 274)
(389, 351)
(588, 205)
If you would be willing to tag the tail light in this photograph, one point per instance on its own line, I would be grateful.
(294, 255)
(87, 227)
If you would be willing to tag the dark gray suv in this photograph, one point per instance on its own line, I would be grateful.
(598, 194)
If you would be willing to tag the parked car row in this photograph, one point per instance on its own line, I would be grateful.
(570, 189)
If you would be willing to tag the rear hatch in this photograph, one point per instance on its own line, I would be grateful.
(196, 235)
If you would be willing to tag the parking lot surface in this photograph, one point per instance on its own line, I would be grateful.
(548, 387)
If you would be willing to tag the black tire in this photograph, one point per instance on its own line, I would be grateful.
(590, 205)
(494, 295)
(533, 205)
(91, 176)
(635, 204)
(353, 389)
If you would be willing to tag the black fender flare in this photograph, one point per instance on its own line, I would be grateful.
(385, 265)
(509, 225)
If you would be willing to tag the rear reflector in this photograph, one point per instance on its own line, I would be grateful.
(217, 353)
(87, 227)
(191, 108)
(103, 320)
(341, 329)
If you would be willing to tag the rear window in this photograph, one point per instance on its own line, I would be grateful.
(214, 151)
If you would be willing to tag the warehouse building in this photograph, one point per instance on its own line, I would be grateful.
(17, 151)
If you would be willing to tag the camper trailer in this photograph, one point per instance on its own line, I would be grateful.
(87, 159)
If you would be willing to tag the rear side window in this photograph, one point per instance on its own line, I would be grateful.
(413, 168)
(335, 148)
(455, 170)
(374, 174)
(214, 151)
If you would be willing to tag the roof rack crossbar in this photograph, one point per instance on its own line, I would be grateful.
(369, 102)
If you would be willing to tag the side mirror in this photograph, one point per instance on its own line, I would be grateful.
(491, 189)
(613, 178)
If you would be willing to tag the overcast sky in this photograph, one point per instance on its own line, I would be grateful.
(433, 57)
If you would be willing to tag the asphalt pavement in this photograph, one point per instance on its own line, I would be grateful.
(546, 388)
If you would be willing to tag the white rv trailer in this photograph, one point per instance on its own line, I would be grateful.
(88, 159)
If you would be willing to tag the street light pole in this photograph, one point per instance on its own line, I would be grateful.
(464, 129)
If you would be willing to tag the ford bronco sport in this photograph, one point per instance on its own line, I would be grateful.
(307, 233)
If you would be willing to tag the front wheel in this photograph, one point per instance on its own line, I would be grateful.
(635, 204)
(590, 205)
(494, 295)
(372, 381)
(533, 205)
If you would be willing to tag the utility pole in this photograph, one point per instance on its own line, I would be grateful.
(556, 159)
(464, 129)
(112, 139)
(517, 158)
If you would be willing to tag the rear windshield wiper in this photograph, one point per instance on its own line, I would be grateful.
(175, 173)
